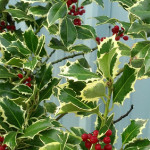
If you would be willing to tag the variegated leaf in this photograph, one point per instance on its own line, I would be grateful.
(74, 71)
(124, 85)
(12, 113)
(133, 130)
(93, 91)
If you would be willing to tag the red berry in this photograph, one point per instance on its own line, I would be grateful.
(93, 139)
(84, 137)
(126, 38)
(1, 139)
(83, 11)
(117, 38)
(1, 28)
(106, 140)
(13, 27)
(122, 34)
(28, 84)
(108, 133)
(82, 7)
(8, 27)
(88, 144)
(97, 147)
(20, 76)
(69, 13)
(74, 1)
(108, 147)
(97, 39)
(80, 13)
(103, 38)
(89, 135)
(2, 148)
(3, 23)
(28, 79)
(116, 27)
(73, 7)
(76, 13)
(95, 132)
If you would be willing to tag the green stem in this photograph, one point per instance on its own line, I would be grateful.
(103, 100)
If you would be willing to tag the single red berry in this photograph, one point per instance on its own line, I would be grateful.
(93, 139)
(106, 140)
(95, 132)
(117, 38)
(122, 34)
(80, 13)
(28, 84)
(97, 39)
(108, 147)
(126, 38)
(76, 13)
(83, 11)
(8, 27)
(28, 79)
(20, 76)
(88, 144)
(4, 145)
(89, 135)
(116, 27)
(84, 137)
(108, 133)
(69, 13)
(1, 139)
(2, 148)
(3, 23)
(82, 7)
(97, 147)
(73, 7)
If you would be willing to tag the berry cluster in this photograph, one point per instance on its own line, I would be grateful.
(75, 11)
(2, 146)
(27, 81)
(92, 138)
(99, 40)
(119, 33)
(4, 26)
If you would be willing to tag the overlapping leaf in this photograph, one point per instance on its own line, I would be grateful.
(36, 128)
(57, 11)
(10, 139)
(68, 32)
(124, 85)
(133, 130)
(77, 72)
(13, 113)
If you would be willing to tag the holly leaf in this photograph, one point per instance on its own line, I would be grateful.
(13, 113)
(133, 130)
(19, 14)
(80, 47)
(40, 46)
(39, 11)
(56, 44)
(124, 85)
(141, 144)
(44, 76)
(52, 146)
(93, 91)
(99, 2)
(36, 128)
(57, 11)
(50, 107)
(74, 71)
(31, 64)
(10, 139)
(46, 92)
(141, 10)
(31, 40)
(23, 89)
(68, 32)
(5, 73)
(15, 62)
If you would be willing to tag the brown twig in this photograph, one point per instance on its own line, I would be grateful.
(50, 55)
(59, 117)
(71, 56)
(125, 115)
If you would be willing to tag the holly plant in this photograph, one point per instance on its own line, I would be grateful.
(29, 120)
